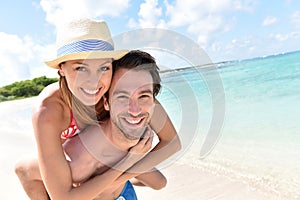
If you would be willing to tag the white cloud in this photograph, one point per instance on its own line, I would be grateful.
(149, 16)
(246, 5)
(284, 37)
(251, 46)
(205, 18)
(201, 19)
(295, 19)
(189, 11)
(19, 59)
(222, 51)
(59, 11)
(269, 20)
(278, 42)
(186, 13)
(14, 54)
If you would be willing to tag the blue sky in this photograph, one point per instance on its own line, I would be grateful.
(224, 29)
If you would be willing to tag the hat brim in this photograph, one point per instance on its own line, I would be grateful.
(116, 54)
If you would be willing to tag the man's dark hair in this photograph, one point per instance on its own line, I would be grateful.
(139, 60)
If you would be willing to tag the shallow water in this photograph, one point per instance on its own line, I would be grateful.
(260, 137)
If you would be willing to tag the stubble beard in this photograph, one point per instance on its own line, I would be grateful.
(131, 134)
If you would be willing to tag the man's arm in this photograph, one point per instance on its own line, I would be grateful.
(154, 179)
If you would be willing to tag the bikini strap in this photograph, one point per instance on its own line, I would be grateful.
(72, 129)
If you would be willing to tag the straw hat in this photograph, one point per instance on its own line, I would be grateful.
(84, 39)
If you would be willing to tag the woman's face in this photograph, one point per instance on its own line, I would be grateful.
(88, 79)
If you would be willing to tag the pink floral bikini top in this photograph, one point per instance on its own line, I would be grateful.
(72, 130)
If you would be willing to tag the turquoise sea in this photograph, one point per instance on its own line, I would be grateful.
(247, 110)
(259, 139)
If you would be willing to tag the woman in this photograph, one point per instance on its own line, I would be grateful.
(84, 62)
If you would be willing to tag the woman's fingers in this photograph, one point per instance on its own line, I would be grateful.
(144, 144)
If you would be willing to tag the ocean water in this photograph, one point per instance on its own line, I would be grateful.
(259, 142)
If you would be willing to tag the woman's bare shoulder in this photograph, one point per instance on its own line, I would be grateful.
(49, 97)
(49, 91)
(50, 106)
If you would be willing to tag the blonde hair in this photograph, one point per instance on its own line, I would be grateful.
(85, 115)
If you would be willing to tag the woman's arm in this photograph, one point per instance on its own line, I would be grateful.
(168, 145)
(54, 168)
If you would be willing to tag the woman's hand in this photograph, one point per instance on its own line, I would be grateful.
(145, 143)
(137, 152)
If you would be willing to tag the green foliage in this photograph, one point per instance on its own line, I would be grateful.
(23, 89)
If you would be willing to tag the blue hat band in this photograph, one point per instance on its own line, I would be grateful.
(84, 46)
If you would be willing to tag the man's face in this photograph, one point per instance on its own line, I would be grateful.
(131, 102)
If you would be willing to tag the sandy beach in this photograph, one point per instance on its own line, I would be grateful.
(187, 183)
(184, 182)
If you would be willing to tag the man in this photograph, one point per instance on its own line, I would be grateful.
(130, 102)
